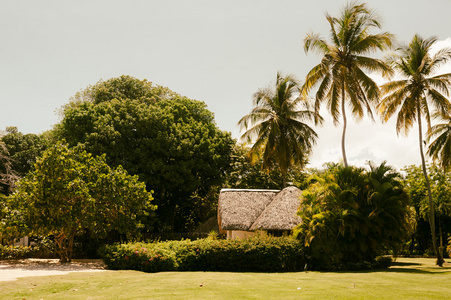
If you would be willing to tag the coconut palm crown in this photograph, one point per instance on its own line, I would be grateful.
(276, 126)
(413, 96)
(440, 141)
(340, 76)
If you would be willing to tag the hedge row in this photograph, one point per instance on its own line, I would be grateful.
(256, 254)
(19, 252)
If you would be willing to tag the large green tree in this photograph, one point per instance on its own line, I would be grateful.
(276, 126)
(71, 191)
(172, 143)
(340, 75)
(413, 96)
(19, 152)
(350, 215)
(124, 87)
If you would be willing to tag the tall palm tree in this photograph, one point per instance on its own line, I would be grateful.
(412, 96)
(440, 147)
(277, 125)
(340, 74)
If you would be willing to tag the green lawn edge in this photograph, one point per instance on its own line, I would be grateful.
(409, 278)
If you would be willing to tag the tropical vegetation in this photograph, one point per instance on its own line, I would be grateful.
(130, 160)
(276, 126)
(171, 142)
(350, 216)
(340, 75)
(414, 95)
(70, 192)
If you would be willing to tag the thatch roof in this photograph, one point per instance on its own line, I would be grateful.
(238, 209)
(258, 209)
(281, 213)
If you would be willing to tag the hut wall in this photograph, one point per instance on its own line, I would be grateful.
(239, 234)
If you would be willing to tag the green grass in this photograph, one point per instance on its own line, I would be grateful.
(410, 278)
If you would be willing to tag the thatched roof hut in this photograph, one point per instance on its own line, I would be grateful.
(250, 210)
(280, 214)
(239, 208)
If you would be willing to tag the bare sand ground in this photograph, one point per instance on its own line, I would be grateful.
(13, 269)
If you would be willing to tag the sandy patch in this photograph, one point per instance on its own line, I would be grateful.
(13, 269)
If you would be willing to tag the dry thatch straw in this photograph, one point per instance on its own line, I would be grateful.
(281, 213)
(238, 209)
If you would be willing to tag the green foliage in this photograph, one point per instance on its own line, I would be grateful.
(123, 87)
(245, 174)
(138, 256)
(21, 151)
(42, 248)
(350, 216)
(257, 254)
(440, 141)
(440, 182)
(171, 143)
(276, 126)
(70, 191)
(17, 252)
(412, 98)
(340, 75)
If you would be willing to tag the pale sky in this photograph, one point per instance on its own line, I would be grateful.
(219, 52)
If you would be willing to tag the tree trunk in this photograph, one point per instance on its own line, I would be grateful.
(440, 236)
(284, 180)
(345, 122)
(440, 260)
(65, 246)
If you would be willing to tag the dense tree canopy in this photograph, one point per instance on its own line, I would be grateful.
(71, 191)
(172, 144)
(124, 87)
(415, 185)
(19, 152)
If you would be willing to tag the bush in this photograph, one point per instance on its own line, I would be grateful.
(256, 254)
(138, 256)
(17, 252)
(350, 216)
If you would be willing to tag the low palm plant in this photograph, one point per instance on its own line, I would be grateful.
(350, 215)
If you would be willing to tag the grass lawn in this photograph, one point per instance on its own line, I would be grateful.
(410, 278)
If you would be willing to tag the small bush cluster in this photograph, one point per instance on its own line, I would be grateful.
(138, 256)
(18, 252)
(257, 254)
(41, 247)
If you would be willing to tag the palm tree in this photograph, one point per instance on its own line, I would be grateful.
(277, 124)
(412, 96)
(340, 74)
(440, 147)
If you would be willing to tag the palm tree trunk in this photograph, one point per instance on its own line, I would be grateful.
(345, 122)
(284, 180)
(440, 260)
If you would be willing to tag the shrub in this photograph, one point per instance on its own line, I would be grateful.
(138, 256)
(257, 254)
(17, 252)
(350, 216)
